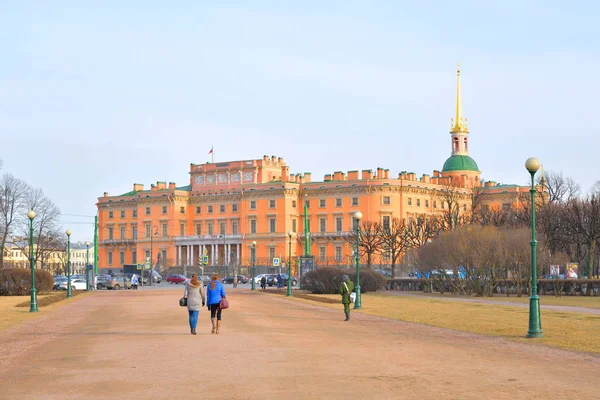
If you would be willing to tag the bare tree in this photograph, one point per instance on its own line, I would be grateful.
(393, 241)
(48, 237)
(370, 240)
(559, 187)
(13, 195)
(584, 222)
(596, 187)
(451, 199)
(421, 229)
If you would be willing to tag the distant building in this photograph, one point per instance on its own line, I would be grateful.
(228, 205)
(79, 256)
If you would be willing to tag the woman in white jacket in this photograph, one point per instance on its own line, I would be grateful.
(195, 300)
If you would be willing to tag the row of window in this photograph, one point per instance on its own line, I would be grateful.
(234, 207)
(386, 200)
(133, 260)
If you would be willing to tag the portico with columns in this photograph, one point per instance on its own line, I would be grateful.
(220, 249)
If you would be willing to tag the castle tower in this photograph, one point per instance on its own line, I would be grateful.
(460, 167)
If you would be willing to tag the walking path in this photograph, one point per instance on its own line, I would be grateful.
(585, 310)
(136, 344)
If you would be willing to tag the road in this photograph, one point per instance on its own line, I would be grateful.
(115, 344)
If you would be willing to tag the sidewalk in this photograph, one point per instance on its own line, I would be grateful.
(585, 310)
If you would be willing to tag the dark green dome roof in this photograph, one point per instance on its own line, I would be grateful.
(460, 163)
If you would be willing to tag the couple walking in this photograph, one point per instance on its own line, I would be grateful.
(194, 293)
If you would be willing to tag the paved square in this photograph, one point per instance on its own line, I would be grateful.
(117, 344)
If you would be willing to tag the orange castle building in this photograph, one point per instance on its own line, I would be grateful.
(228, 205)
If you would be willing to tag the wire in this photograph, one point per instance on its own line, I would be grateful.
(78, 215)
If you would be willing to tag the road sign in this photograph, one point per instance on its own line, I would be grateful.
(205, 259)
(147, 265)
(204, 252)
(276, 262)
(139, 267)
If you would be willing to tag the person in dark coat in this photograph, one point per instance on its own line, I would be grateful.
(279, 281)
(263, 282)
(346, 287)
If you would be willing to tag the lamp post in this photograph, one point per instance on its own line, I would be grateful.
(289, 282)
(358, 301)
(152, 234)
(253, 256)
(68, 263)
(87, 263)
(535, 324)
(33, 307)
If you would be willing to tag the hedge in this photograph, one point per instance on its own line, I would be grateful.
(326, 280)
(17, 282)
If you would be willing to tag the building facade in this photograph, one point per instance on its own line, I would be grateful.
(228, 205)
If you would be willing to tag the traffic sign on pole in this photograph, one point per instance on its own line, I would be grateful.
(205, 259)
(276, 262)
(139, 267)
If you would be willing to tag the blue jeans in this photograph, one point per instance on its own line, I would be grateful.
(193, 319)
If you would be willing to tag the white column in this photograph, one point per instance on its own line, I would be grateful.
(179, 255)
(227, 254)
(213, 255)
(237, 252)
(189, 255)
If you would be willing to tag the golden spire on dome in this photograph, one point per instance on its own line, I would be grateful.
(458, 124)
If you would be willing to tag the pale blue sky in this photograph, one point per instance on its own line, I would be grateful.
(96, 97)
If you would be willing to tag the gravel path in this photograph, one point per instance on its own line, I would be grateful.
(585, 310)
(137, 344)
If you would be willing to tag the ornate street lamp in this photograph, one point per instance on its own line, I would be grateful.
(253, 260)
(152, 234)
(68, 263)
(33, 307)
(358, 302)
(87, 263)
(289, 282)
(535, 324)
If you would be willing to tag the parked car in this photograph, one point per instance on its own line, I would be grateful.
(272, 280)
(258, 277)
(156, 277)
(241, 279)
(76, 284)
(206, 279)
(176, 278)
(384, 273)
(119, 282)
(103, 281)
(58, 280)
(561, 276)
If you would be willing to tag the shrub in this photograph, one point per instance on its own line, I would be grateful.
(326, 280)
(370, 281)
(323, 280)
(17, 282)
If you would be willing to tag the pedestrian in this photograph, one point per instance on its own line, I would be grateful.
(235, 281)
(346, 287)
(214, 293)
(263, 282)
(134, 281)
(279, 281)
(195, 300)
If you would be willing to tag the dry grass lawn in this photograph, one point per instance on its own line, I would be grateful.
(12, 315)
(565, 330)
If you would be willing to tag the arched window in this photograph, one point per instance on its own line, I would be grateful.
(455, 144)
(466, 144)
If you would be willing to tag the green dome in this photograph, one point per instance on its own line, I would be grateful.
(460, 163)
